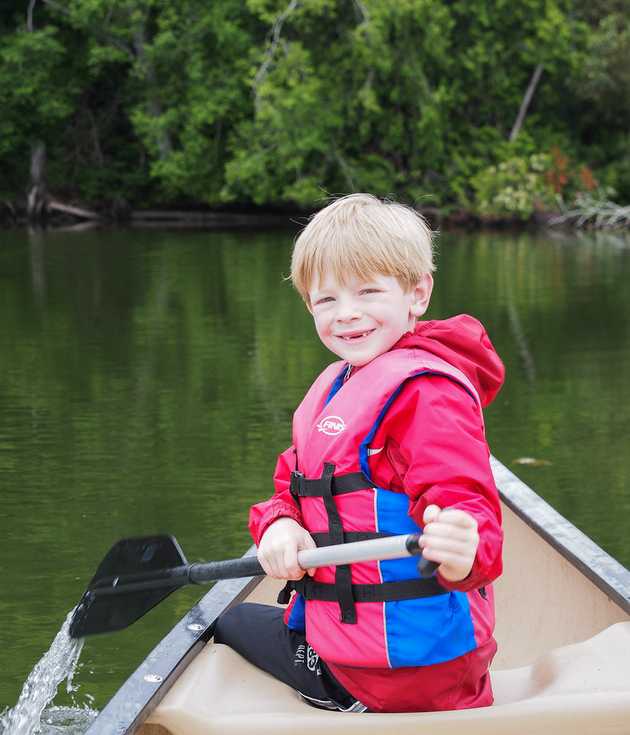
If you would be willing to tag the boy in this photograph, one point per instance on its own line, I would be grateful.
(388, 441)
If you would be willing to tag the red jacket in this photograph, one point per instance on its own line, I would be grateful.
(435, 452)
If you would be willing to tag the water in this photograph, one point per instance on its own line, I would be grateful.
(67, 720)
(58, 664)
(147, 381)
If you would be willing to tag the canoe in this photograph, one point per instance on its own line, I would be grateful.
(563, 664)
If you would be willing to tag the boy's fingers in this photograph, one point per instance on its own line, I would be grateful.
(308, 543)
(431, 555)
(267, 566)
(458, 518)
(445, 530)
(274, 570)
(445, 557)
(431, 512)
(292, 568)
(441, 543)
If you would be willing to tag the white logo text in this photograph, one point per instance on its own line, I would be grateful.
(331, 425)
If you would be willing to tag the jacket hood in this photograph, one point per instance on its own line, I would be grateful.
(463, 342)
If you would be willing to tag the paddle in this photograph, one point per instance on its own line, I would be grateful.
(138, 573)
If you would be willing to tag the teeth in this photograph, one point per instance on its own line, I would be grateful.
(355, 336)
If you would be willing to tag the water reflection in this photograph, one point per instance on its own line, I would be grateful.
(147, 381)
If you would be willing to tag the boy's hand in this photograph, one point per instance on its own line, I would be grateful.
(278, 548)
(449, 538)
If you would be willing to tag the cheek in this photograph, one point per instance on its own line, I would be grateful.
(398, 322)
(394, 318)
(320, 327)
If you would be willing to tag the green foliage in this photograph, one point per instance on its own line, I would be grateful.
(616, 174)
(600, 88)
(271, 101)
(514, 188)
(605, 81)
(30, 65)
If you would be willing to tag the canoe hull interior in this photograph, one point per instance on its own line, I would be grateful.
(554, 696)
(542, 600)
(563, 667)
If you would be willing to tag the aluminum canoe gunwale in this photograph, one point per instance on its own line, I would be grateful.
(576, 547)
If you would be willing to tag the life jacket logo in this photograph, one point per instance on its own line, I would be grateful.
(331, 425)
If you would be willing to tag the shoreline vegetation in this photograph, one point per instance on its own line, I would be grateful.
(509, 115)
(589, 214)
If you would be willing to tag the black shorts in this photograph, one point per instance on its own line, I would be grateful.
(258, 633)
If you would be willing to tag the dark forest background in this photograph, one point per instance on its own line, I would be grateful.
(278, 103)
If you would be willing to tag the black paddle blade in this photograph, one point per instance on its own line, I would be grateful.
(135, 575)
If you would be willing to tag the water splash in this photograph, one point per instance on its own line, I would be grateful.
(66, 720)
(57, 664)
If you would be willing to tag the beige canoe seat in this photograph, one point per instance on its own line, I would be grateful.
(580, 687)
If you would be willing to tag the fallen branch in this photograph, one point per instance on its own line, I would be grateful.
(592, 212)
(55, 206)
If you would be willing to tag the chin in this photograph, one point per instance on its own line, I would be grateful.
(360, 361)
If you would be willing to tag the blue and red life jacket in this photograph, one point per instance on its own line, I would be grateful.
(372, 614)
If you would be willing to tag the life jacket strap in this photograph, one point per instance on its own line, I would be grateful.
(323, 539)
(406, 589)
(326, 487)
(302, 488)
(343, 574)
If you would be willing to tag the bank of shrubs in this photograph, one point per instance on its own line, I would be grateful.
(539, 184)
(282, 102)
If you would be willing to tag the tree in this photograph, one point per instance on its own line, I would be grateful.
(287, 101)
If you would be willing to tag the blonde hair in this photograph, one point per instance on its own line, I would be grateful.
(359, 235)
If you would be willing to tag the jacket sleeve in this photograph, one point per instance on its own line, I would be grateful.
(437, 449)
(281, 504)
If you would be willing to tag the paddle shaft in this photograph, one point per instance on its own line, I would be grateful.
(391, 547)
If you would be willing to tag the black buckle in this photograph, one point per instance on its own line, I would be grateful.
(297, 483)
(284, 596)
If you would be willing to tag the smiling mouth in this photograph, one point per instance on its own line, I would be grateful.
(354, 336)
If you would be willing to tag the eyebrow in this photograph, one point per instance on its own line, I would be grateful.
(316, 295)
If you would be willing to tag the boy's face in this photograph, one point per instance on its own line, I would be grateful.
(361, 320)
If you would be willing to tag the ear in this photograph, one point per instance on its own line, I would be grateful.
(421, 293)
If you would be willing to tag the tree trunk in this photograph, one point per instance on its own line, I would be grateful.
(37, 195)
(164, 142)
(29, 15)
(531, 88)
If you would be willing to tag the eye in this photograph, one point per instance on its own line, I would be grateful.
(369, 290)
(323, 300)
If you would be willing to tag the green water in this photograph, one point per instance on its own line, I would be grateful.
(147, 381)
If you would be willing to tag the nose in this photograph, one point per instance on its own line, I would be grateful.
(347, 310)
